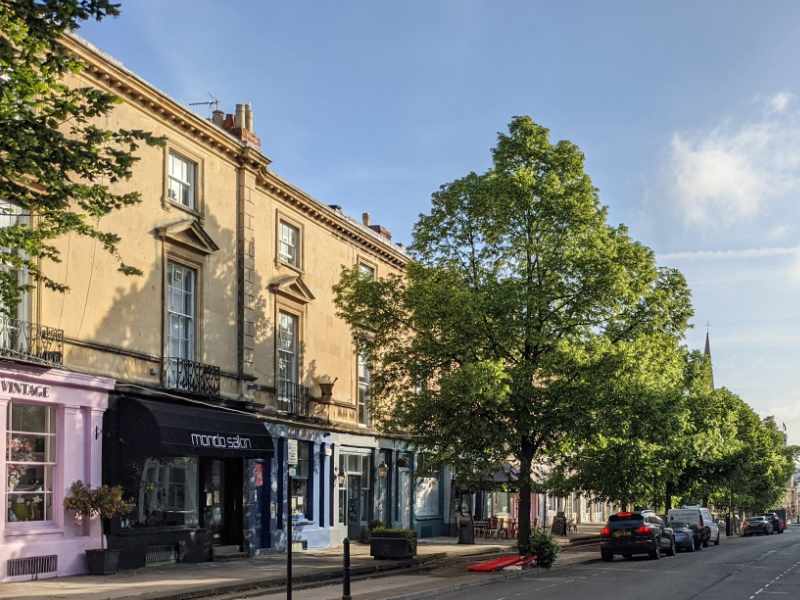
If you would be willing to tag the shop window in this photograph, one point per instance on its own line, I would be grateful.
(427, 496)
(167, 493)
(363, 388)
(30, 461)
(182, 181)
(302, 482)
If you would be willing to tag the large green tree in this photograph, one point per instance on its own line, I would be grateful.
(493, 344)
(57, 164)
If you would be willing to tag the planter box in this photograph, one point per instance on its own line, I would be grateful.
(102, 562)
(392, 547)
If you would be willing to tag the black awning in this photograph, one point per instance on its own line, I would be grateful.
(159, 428)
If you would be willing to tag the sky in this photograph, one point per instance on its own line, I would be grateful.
(688, 114)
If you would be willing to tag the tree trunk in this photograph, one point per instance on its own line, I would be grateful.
(524, 533)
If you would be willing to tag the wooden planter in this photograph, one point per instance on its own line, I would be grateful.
(392, 547)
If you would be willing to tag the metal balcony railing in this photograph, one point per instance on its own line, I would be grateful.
(24, 340)
(190, 376)
(292, 397)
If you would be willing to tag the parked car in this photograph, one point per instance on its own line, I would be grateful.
(684, 536)
(759, 525)
(700, 520)
(629, 533)
(778, 525)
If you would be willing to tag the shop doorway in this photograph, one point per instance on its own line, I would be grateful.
(357, 496)
(221, 482)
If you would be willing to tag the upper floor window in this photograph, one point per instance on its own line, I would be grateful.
(181, 310)
(363, 388)
(12, 215)
(182, 185)
(31, 459)
(289, 244)
(288, 360)
(366, 270)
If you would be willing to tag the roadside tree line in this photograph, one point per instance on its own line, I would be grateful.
(527, 327)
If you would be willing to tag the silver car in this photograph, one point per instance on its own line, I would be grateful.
(706, 530)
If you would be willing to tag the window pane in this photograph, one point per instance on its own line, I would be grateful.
(29, 417)
(29, 507)
(288, 243)
(167, 493)
(29, 478)
(30, 448)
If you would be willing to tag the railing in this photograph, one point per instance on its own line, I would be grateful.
(28, 341)
(190, 376)
(292, 398)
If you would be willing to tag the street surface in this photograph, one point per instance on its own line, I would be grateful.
(738, 569)
(753, 568)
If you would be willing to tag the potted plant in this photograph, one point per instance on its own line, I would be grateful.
(105, 502)
(392, 543)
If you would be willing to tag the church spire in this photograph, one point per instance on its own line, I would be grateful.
(707, 353)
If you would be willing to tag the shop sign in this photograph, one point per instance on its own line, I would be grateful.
(23, 388)
(230, 442)
(292, 453)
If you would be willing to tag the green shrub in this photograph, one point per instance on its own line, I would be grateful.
(544, 547)
(386, 532)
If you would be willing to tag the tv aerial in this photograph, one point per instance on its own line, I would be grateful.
(212, 103)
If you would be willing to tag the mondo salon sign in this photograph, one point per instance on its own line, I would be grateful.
(221, 442)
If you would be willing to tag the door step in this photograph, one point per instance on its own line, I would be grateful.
(223, 553)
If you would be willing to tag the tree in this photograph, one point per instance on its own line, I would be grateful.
(493, 344)
(57, 165)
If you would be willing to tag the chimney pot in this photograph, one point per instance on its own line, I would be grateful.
(217, 117)
(248, 117)
(365, 218)
(238, 119)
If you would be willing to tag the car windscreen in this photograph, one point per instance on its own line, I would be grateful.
(685, 516)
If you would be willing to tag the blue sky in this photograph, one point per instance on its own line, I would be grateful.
(687, 113)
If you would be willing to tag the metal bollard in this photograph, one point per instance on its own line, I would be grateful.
(346, 581)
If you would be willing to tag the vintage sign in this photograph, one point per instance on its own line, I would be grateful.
(229, 442)
(23, 388)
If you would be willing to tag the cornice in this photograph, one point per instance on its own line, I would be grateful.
(113, 75)
(331, 219)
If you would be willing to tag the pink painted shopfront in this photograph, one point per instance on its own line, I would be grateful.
(52, 422)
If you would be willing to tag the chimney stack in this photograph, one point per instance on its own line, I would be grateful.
(365, 218)
(239, 124)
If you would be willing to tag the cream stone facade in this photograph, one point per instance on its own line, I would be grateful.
(116, 325)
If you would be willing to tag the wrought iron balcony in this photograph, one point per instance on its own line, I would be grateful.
(23, 340)
(190, 376)
(292, 397)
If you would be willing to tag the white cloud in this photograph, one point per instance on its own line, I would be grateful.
(731, 173)
(730, 254)
(780, 102)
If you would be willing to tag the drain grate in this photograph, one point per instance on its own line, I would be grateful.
(33, 565)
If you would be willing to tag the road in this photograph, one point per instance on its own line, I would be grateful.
(738, 569)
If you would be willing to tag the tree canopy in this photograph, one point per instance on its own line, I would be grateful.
(58, 165)
(519, 302)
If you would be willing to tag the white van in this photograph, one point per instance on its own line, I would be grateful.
(700, 520)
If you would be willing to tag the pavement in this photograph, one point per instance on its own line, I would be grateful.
(243, 578)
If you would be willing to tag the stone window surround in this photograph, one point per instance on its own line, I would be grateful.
(282, 216)
(199, 186)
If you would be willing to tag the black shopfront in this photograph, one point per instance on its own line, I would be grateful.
(189, 471)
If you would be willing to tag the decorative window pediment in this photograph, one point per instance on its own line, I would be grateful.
(189, 233)
(293, 287)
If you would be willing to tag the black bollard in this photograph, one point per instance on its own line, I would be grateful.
(289, 545)
(346, 581)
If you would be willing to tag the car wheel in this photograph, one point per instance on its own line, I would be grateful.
(716, 542)
(673, 551)
(698, 545)
(706, 543)
(606, 556)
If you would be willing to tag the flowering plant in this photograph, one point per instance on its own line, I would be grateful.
(105, 501)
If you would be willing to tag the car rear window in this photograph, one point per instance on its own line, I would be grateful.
(687, 516)
(625, 520)
(756, 519)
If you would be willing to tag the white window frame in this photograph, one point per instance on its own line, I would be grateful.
(362, 389)
(10, 215)
(181, 182)
(289, 250)
(48, 465)
(290, 354)
(180, 314)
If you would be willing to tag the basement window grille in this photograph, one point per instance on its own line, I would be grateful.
(33, 565)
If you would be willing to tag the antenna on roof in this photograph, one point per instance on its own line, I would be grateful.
(213, 103)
